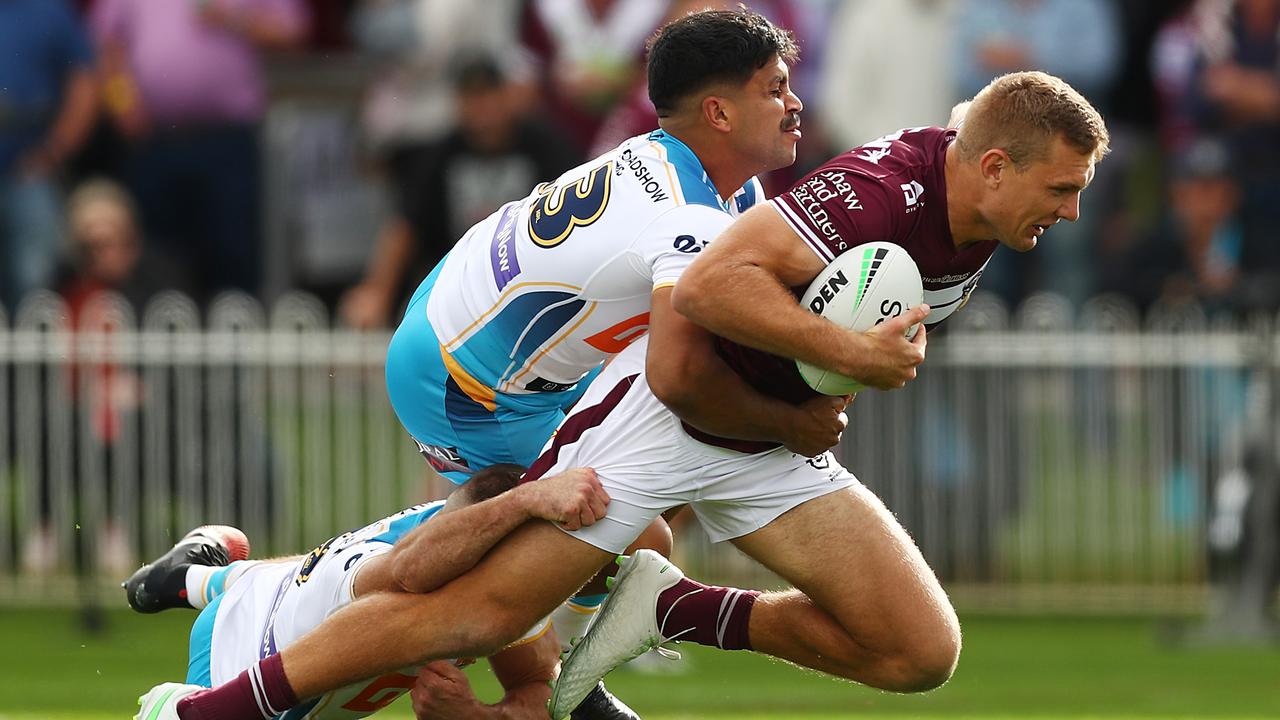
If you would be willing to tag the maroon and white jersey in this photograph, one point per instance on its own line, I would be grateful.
(892, 189)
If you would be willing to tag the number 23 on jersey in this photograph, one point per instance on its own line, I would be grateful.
(558, 210)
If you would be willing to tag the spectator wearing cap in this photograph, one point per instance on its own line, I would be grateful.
(184, 82)
(47, 108)
(494, 153)
(1197, 254)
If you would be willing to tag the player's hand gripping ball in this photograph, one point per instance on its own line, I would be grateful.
(860, 289)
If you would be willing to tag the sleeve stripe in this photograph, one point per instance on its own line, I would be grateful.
(789, 215)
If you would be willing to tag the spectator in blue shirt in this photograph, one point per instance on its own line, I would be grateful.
(47, 107)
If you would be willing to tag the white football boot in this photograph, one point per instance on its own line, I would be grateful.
(625, 628)
(161, 701)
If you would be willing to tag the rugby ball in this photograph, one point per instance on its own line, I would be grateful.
(863, 287)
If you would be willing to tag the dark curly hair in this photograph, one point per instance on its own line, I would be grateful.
(708, 47)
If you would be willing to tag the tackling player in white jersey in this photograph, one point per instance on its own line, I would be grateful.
(252, 609)
(508, 330)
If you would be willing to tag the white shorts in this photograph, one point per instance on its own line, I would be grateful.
(648, 463)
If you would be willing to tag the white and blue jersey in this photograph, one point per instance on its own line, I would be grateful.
(508, 329)
(273, 604)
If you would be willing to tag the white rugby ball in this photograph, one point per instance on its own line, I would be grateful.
(863, 287)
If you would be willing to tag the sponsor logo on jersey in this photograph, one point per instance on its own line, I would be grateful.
(913, 191)
(443, 459)
(811, 204)
(541, 385)
(652, 188)
(502, 253)
(616, 338)
(874, 154)
(688, 244)
(947, 279)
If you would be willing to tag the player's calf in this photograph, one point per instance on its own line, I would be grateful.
(915, 659)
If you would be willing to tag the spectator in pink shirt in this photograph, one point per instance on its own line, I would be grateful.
(184, 83)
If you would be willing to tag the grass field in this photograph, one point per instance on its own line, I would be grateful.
(1011, 668)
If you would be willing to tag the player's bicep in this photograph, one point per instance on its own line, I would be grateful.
(374, 573)
(676, 344)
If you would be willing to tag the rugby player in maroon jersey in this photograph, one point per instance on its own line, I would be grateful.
(865, 605)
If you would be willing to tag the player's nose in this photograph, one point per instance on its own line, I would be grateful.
(794, 104)
(1070, 210)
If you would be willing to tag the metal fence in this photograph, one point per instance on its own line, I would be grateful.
(1044, 459)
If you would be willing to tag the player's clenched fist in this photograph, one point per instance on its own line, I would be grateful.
(818, 425)
(574, 498)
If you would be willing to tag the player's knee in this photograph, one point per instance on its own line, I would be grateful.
(930, 665)
(656, 537)
(916, 661)
(927, 662)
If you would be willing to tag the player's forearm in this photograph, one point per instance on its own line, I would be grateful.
(708, 395)
(451, 544)
(523, 702)
(747, 304)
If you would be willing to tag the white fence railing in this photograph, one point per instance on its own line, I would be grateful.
(1043, 456)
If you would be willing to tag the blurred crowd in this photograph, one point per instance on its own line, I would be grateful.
(133, 142)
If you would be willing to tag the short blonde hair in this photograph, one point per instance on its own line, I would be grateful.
(1022, 112)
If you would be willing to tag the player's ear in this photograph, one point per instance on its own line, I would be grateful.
(993, 164)
(716, 112)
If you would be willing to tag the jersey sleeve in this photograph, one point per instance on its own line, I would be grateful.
(674, 239)
(835, 209)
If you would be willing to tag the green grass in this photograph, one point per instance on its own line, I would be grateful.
(1043, 668)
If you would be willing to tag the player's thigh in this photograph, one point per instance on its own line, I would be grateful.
(847, 553)
(525, 577)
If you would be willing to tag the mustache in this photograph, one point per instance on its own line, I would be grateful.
(791, 122)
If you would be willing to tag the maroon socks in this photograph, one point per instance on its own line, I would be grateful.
(706, 614)
(262, 691)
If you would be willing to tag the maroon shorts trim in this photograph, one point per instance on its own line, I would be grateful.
(576, 424)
